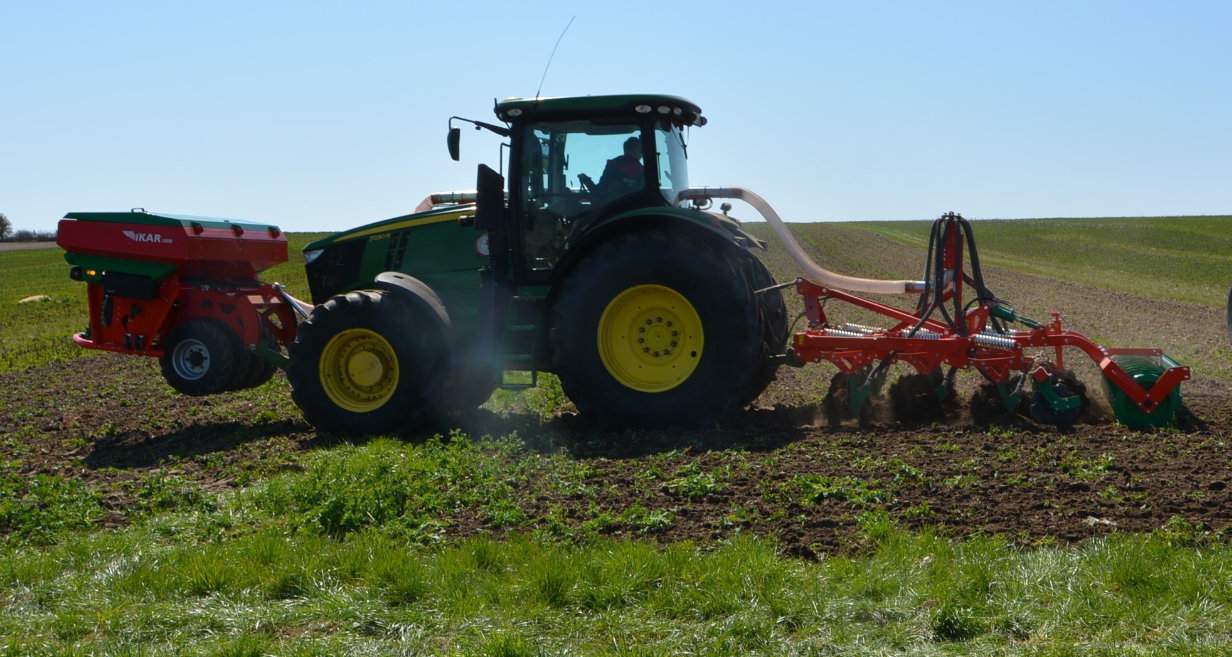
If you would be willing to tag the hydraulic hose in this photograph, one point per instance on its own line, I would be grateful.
(938, 279)
(812, 271)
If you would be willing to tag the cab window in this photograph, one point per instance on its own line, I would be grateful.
(571, 170)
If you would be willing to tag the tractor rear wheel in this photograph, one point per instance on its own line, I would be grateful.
(369, 362)
(200, 357)
(774, 329)
(651, 330)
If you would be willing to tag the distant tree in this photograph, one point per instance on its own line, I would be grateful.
(6, 227)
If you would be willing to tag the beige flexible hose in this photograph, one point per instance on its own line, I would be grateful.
(812, 271)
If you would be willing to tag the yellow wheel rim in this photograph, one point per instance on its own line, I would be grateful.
(650, 338)
(359, 370)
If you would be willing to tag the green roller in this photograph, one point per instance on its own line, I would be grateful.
(1146, 370)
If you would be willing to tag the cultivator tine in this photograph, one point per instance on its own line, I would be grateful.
(853, 396)
(998, 402)
(1059, 398)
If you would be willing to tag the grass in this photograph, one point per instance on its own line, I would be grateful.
(36, 509)
(244, 580)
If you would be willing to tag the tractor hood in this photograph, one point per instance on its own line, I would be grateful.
(438, 214)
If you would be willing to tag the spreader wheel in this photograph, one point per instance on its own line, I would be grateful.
(653, 330)
(922, 398)
(200, 357)
(369, 362)
(253, 370)
(1060, 400)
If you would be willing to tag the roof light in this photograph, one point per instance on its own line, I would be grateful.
(677, 111)
(664, 109)
(642, 109)
(514, 112)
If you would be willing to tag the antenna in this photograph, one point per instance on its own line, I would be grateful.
(552, 56)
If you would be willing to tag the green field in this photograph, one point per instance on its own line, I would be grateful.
(304, 545)
(1173, 258)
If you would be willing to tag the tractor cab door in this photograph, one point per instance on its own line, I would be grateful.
(569, 174)
(492, 220)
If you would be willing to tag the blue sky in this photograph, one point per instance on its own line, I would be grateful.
(322, 116)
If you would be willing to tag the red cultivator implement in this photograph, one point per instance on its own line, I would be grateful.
(958, 323)
(947, 330)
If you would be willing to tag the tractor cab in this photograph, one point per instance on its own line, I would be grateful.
(576, 163)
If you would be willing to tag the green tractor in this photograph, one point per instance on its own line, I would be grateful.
(586, 266)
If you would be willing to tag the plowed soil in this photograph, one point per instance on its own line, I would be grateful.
(778, 469)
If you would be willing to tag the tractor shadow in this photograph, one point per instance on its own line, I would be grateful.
(138, 450)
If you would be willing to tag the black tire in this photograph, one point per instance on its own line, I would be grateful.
(200, 357)
(418, 342)
(254, 370)
(774, 329)
(474, 384)
(713, 285)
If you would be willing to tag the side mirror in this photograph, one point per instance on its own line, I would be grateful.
(455, 136)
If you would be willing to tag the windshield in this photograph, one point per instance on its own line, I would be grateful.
(571, 171)
(673, 161)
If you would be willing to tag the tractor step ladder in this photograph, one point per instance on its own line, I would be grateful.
(522, 334)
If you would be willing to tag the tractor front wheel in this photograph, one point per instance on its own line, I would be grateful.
(368, 362)
(651, 330)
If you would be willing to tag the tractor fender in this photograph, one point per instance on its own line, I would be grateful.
(689, 222)
(419, 294)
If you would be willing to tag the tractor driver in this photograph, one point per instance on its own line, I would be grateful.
(623, 173)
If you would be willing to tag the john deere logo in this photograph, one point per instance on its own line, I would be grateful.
(146, 237)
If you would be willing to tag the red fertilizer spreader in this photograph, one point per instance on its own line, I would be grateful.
(183, 289)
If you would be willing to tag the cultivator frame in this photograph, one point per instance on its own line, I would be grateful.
(1142, 383)
(974, 338)
(852, 348)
